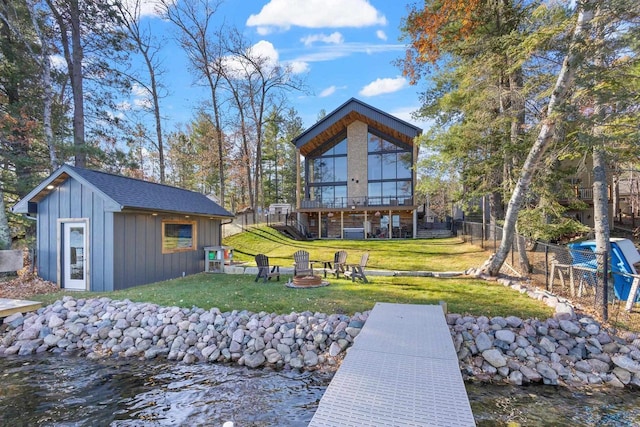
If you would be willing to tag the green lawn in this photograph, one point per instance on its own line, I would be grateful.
(408, 255)
(240, 292)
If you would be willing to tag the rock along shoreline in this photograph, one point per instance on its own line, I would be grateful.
(101, 328)
(568, 349)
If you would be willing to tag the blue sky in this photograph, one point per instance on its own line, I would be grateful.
(342, 48)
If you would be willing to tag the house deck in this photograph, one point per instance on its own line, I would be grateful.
(401, 371)
(11, 306)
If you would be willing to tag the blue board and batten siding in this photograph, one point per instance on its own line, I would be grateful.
(124, 224)
(72, 200)
(125, 248)
(138, 257)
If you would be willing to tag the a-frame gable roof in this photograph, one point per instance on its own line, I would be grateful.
(121, 193)
(336, 122)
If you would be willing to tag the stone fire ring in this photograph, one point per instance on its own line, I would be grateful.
(307, 282)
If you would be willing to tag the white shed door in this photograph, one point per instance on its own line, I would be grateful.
(75, 259)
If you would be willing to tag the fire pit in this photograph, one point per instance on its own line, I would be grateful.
(307, 282)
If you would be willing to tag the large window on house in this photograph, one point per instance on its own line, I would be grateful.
(178, 236)
(328, 175)
(389, 172)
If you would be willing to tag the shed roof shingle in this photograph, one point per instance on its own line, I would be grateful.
(131, 193)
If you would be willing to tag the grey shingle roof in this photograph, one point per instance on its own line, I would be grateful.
(138, 194)
(129, 193)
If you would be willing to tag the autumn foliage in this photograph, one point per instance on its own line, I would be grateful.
(440, 21)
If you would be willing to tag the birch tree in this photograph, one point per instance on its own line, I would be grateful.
(607, 103)
(8, 13)
(478, 53)
(23, 156)
(564, 82)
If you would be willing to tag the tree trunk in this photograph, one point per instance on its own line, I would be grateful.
(47, 100)
(43, 59)
(73, 55)
(600, 193)
(47, 104)
(77, 86)
(495, 208)
(5, 234)
(220, 136)
(563, 83)
(157, 116)
(616, 195)
(525, 265)
(516, 103)
(601, 222)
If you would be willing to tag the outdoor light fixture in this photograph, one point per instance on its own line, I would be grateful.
(377, 213)
(50, 187)
(353, 206)
(330, 214)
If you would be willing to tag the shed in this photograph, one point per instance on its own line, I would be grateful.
(102, 232)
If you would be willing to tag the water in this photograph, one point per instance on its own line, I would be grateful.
(538, 405)
(67, 391)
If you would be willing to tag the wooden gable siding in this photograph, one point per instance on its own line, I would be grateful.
(138, 257)
(74, 200)
(340, 125)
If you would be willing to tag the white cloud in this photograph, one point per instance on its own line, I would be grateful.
(333, 38)
(328, 91)
(139, 90)
(141, 98)
(146, 7)
(112, 116)
(284, 14)
(298, 67)
(380, 86)
(123, 106)
(263, 50)
(263, 31)
(329, 53)
(269, 56)
(406, 114)
(267, 51)
(381, 35)
(58, 62)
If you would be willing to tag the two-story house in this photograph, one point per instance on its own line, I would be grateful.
(581, 181)
(359, 174)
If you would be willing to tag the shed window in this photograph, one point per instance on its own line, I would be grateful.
(178, 236)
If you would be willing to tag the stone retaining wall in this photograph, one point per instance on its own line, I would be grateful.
(565, 350)
(99, 328)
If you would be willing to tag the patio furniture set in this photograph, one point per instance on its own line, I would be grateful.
(303, 267)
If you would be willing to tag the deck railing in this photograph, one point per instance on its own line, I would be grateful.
(356, 202)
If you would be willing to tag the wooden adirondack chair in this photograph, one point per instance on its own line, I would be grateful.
(339, 264)
(302, 265)
(356, 271)
(264, 270)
